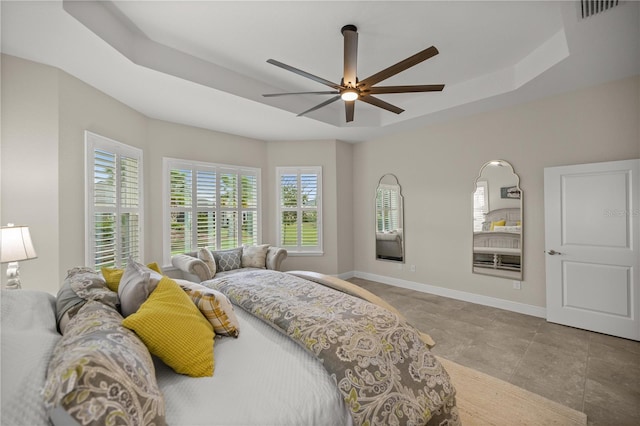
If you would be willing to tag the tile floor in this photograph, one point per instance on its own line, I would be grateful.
(590, 372)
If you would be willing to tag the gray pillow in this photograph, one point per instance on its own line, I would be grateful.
(226, 260)
(136, 285)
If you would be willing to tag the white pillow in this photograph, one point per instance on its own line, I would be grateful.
(255, 256)
(206, 256)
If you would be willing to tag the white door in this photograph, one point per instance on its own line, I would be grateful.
(592, 218)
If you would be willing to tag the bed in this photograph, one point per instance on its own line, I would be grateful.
(306, 353)
(498, 246)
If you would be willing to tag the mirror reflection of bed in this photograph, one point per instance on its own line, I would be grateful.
(497, 222)
(389, 245)
(496, 248)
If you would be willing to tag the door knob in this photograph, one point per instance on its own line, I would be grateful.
(553, 252)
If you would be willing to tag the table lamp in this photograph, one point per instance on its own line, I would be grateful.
(15, 245)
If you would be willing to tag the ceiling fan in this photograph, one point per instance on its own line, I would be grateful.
(351, 89)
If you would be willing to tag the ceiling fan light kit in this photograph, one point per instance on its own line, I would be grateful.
(349, 95)
(351, 89)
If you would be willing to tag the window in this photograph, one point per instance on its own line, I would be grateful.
(300, 209)
(209, 205)
(480, 204)
(387, 208)
(114, 202)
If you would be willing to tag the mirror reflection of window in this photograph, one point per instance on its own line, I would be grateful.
(480, 204)
(389, 220)
(387, 208)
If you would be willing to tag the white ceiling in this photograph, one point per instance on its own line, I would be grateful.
(203, 63)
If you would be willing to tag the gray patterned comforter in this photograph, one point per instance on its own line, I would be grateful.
(382, 368)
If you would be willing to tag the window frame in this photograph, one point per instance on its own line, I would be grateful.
(169, 163)
(93, 141)
(300, 250)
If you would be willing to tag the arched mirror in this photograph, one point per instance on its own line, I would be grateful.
(389, 220)
(497, 221)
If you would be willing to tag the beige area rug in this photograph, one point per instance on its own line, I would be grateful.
(485, 400)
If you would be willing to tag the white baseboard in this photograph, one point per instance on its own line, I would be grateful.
(494, 302)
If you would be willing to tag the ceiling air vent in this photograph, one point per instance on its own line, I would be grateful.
(592, 7)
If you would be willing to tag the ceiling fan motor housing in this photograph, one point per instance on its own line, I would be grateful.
(349, 28)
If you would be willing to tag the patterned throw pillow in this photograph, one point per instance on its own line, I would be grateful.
(174, 330)
(215, 306)
(101, 373)
(255, 256)
(206, 256)
(80, 285)
(226, 260)
(136, 285)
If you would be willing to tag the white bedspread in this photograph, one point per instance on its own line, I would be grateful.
(27, 339)
(261, 378)
(296, 390)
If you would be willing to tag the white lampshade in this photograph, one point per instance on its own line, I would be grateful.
(15, 244)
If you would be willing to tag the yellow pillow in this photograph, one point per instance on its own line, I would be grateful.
(113, 275)
(498, 223)
(174, 330)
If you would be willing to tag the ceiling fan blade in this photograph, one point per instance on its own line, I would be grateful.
(327, 92)
(304, 74)
(405, 89)
(381, 104)
(325, 103)
(349, 107)
(350, 55)
(399, 67)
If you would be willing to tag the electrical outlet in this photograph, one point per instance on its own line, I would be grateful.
(413, 268)
(516, 285)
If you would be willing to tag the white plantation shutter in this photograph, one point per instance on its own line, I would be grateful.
(480, 204)
(206, 208)
(114, 202)
(249, 203)
(388, 208)
(209, 205)
(299, 209)
(180, 210)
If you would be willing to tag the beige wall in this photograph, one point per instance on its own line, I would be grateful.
(81, 107)
(189, 143)
(308, 153)
(344, 207)
(29, 195)
(438, 164)
(45, 112)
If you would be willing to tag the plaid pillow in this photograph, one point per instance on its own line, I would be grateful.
(215, 306)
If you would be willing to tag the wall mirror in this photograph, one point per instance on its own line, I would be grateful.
(389, 220)
(497, 221)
